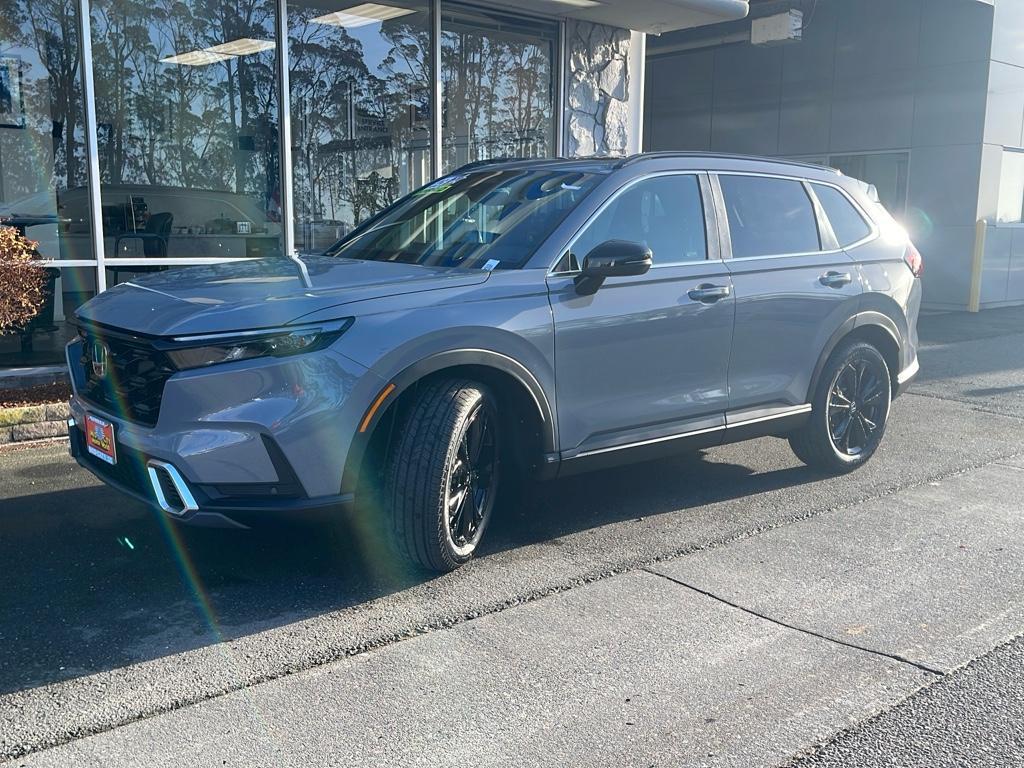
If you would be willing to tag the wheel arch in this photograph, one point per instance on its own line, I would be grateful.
(512, 381)
(875, 328)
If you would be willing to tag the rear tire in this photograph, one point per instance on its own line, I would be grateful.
(850, 411)
(442, 474)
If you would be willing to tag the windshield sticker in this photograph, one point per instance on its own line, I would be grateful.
(441, 185)
(490, 265)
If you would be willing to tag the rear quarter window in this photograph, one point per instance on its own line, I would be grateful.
(847, 222)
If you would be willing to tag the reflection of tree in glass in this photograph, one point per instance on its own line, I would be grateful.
(6, 98)
(52, 92)
(497, 96)
(354, 117)
(209, 126)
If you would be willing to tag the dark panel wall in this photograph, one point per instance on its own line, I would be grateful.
(868, 76)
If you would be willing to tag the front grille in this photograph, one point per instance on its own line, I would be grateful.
(131, 384)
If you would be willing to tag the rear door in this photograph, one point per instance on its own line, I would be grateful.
(644, 358)
(793, 285)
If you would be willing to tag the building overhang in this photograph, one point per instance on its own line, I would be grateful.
(651, 16)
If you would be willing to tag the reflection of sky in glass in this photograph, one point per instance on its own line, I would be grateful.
(375, 47)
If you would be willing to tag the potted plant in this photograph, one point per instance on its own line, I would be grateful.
(23, 285)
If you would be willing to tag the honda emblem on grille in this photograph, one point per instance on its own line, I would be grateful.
(100, 355)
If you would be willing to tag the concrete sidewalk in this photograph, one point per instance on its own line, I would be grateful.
(744, 654)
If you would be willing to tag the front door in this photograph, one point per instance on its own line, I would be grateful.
(644, 358)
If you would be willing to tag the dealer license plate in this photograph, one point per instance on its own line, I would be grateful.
(99, 438)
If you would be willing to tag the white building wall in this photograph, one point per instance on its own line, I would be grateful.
(1003, 274)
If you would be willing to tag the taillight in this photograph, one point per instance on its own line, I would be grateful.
(914, 260)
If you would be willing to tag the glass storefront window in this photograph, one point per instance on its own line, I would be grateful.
(498, 86)
(360, 108)
(188, 110)
(187, 126)
(42, 137)
(43, 167)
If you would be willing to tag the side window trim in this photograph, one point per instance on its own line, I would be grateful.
(714, 244)
(723, 218)
(827, 240)
(711, 235)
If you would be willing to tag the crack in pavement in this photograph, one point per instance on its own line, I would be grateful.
(10, 751)
(999, 463)
(795, 628)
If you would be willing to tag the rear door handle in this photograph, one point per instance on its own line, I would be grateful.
(707, 293)
(836, 279)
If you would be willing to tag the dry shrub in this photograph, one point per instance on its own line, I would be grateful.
(22, 281)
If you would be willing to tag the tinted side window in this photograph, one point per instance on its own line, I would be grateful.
(846, 220)
(769, 217)
(665, 213)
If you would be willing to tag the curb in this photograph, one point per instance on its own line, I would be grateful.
(25, 378)
(33, 422)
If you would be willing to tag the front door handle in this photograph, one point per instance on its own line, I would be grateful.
(836, 279)
(706, 293)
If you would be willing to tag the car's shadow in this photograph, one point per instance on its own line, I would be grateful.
(95, 582)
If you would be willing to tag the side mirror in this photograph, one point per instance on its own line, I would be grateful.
(613, 258)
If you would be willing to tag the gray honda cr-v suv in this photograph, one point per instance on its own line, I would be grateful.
(541, 316)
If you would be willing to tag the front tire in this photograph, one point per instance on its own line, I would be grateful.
(850, 411)
(442, 474)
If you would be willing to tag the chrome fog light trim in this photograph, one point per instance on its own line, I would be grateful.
(188, 501)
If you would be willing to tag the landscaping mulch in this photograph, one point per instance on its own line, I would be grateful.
(39, 395)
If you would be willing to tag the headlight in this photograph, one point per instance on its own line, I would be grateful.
(200, 351)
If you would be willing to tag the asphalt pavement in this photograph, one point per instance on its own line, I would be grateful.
(724, 608)
(972, 718)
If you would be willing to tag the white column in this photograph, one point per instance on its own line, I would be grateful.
(637, 83)
(92, 152)
(284, 141)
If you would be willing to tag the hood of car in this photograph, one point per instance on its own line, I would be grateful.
(261, 293)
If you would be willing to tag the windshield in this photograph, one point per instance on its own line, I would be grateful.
(476, 220)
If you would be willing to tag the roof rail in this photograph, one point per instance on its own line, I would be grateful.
(632, 159)
(484, 163)
(534, 161)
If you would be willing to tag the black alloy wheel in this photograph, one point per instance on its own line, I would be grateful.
(857, 406)
(471, 479)
(849, 410)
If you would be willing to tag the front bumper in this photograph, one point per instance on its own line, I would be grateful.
(259, 437)
(144, 478)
